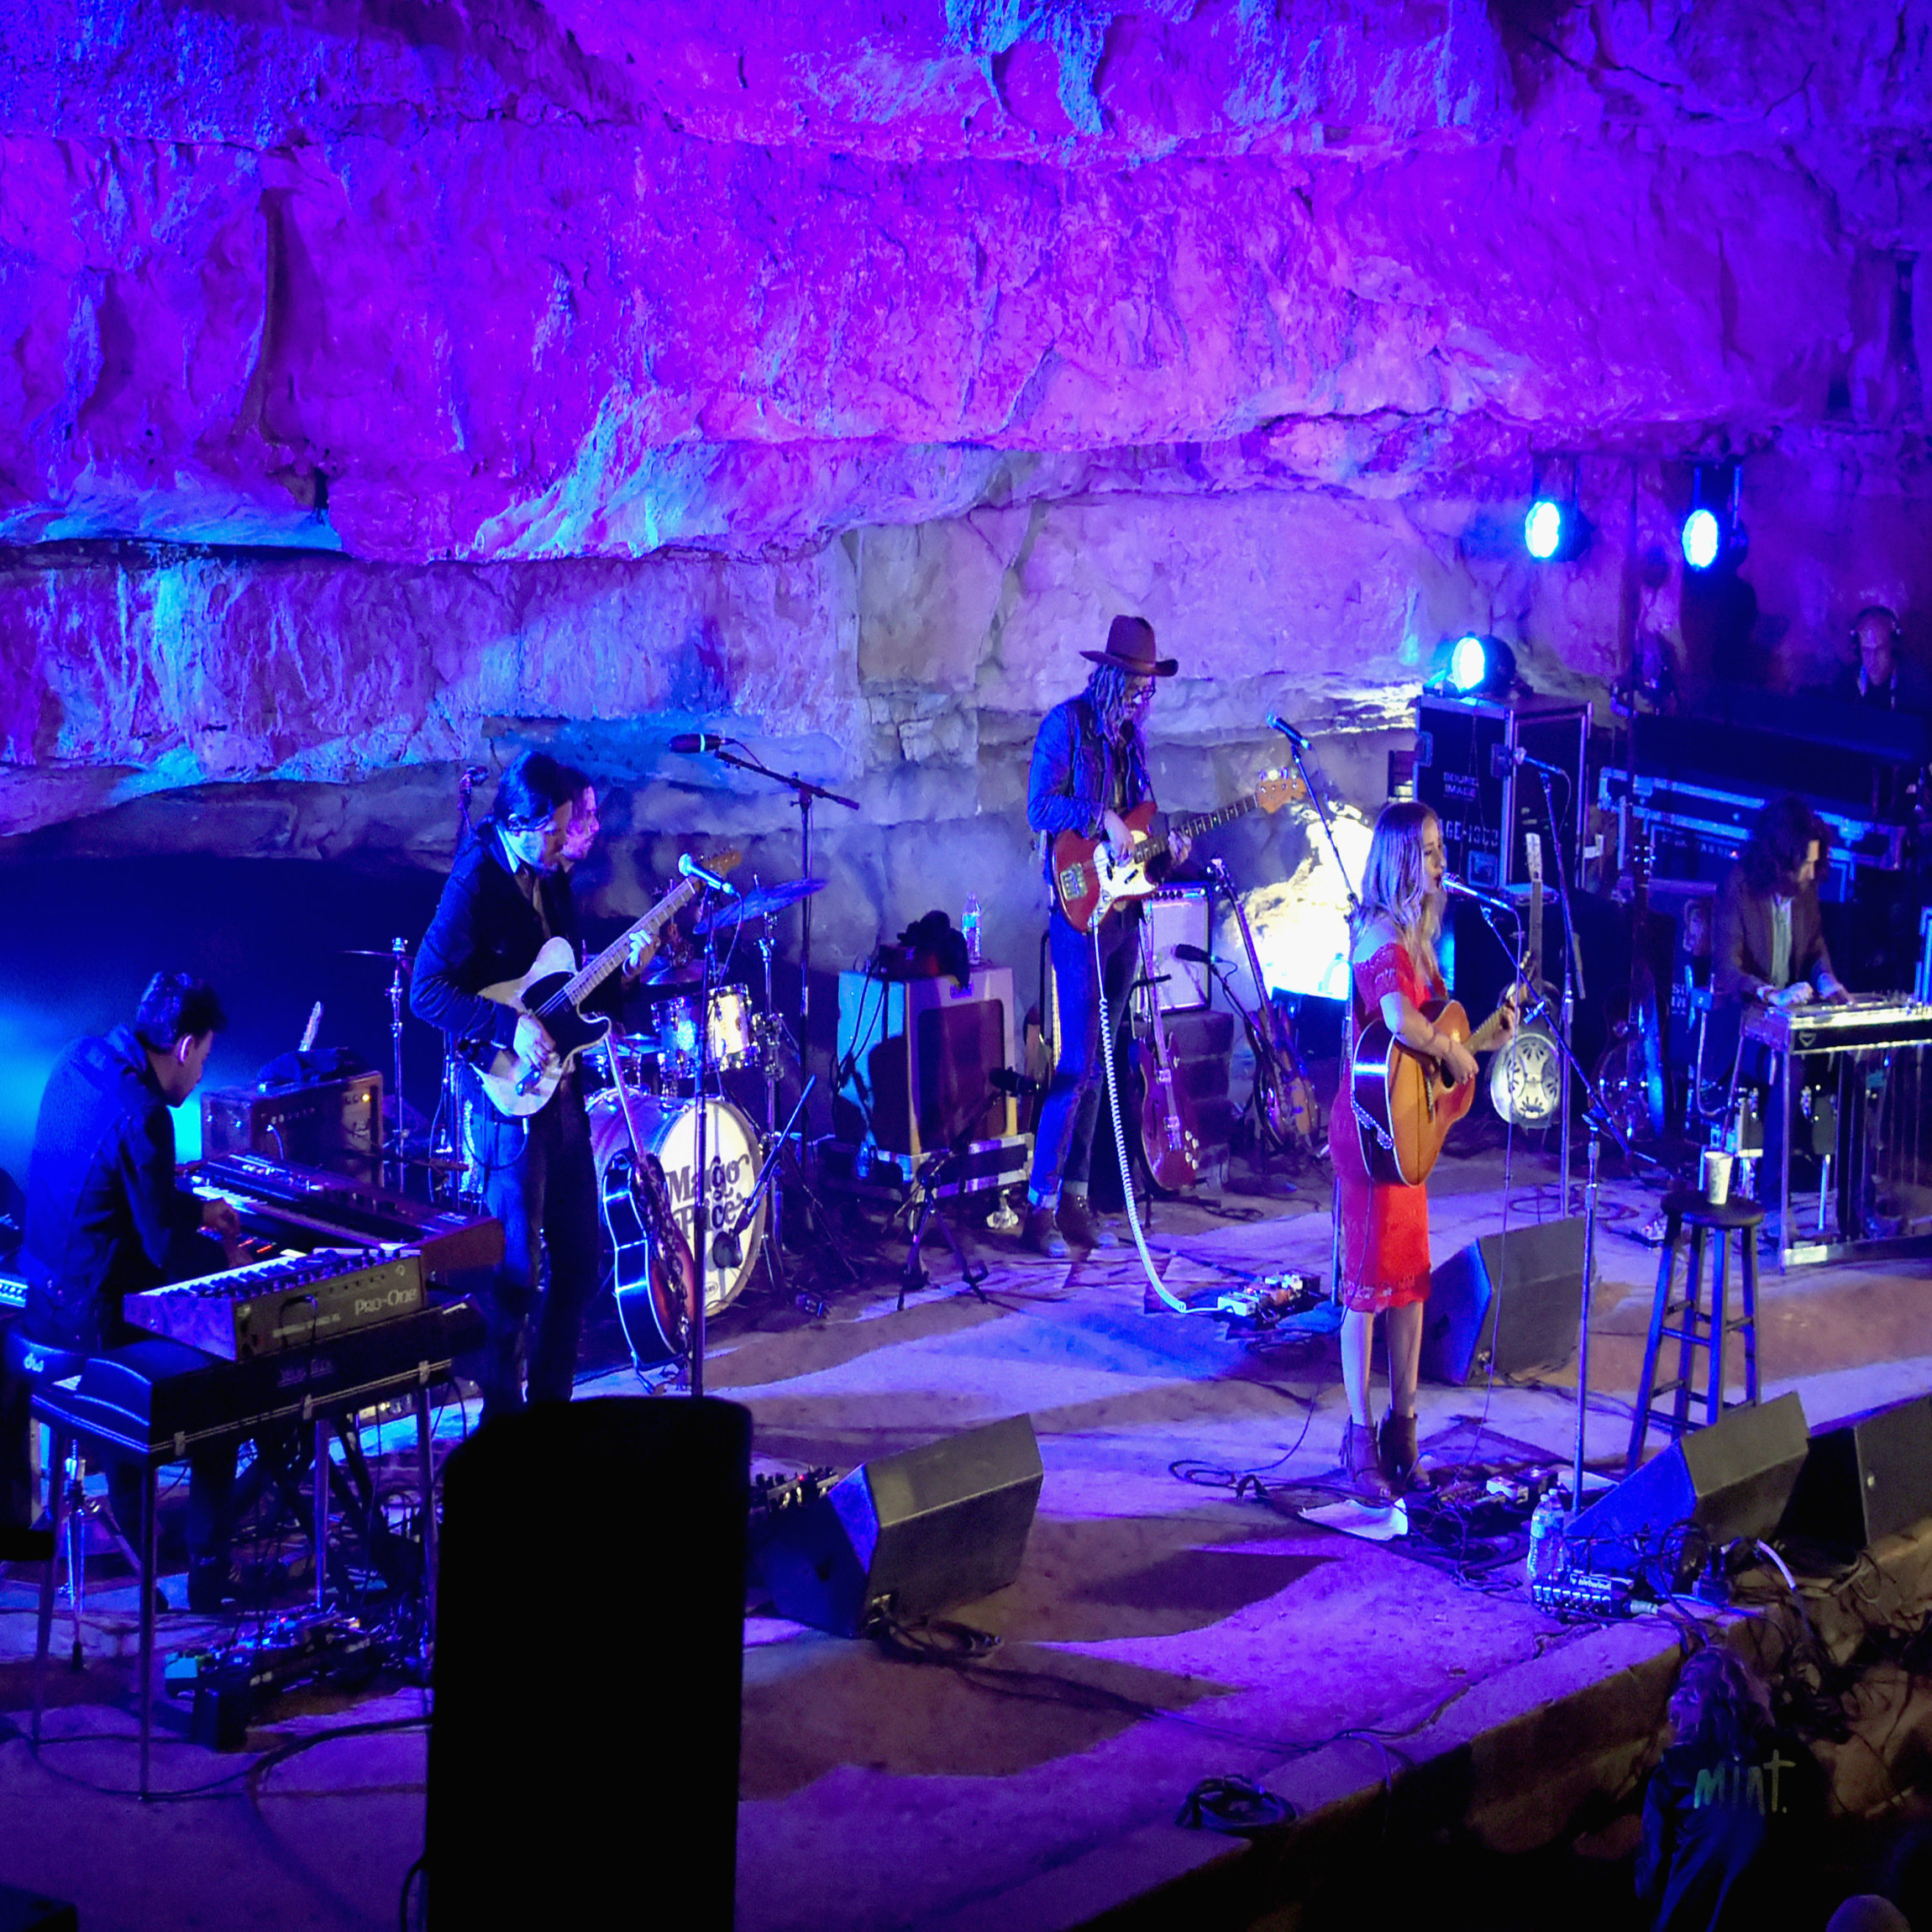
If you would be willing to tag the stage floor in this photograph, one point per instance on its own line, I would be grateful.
(1163, 1630)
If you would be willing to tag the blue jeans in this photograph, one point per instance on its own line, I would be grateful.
(540, 1180)
(1064, 1144)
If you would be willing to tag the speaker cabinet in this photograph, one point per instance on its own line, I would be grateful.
(1864, 1477)
(922, 1053)
(1468, 1326)
(561, 1780)
(1733, 1479)
(911, 1535)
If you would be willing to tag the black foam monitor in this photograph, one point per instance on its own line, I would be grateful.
(909, 1536)
(1509, 1301)
(1864, 1477)
(1730, 1480)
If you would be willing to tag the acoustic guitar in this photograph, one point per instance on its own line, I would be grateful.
(1404, 1100)
(1089, 879)
(555, 989)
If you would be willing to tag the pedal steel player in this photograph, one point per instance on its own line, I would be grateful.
(506, 896)
(1090, 770)
(106, 1219)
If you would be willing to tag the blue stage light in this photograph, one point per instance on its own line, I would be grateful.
(1543, 529)
(1703, 538)
(1468, 664)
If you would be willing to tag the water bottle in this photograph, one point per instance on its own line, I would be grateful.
(1545, 1558)
(969, 924)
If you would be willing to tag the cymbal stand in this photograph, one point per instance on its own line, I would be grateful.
(727, 1249)
(805, 793)
(815, 1214)
(700, 1188)
(395, 1148)
(447, 1139)
(925, 1185)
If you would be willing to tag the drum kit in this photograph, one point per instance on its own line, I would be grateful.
(651, 1092)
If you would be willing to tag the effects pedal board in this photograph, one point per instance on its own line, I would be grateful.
(231, 1685)
(1581, 1595)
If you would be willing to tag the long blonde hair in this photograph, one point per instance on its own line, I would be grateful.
(1395, 882)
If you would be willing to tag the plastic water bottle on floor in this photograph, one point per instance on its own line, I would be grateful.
(1545, 1558)
(969, 925)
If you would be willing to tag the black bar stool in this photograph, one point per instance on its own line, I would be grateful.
(1696, 1328)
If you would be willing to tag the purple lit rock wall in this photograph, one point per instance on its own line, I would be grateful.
(384, 386)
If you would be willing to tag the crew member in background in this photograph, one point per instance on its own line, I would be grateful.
(1089, 770)
(106, 1219)
(1880, 677)
(506, 896)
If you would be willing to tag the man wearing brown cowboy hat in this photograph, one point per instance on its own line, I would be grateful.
(1089, 770)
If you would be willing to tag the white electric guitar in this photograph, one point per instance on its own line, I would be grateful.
(554, 989)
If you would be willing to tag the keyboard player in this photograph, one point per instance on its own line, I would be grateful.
(1770, 948)
(106, 1218)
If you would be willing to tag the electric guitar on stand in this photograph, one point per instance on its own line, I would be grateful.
(555, 989)
(1167, 1135)
(1089, 878)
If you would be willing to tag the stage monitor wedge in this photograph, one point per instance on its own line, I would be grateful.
(909, 1535)
(1467, 1328)
(1730, 1480)
(1864, 1477)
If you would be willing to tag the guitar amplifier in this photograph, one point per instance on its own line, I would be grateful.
(334, 1124)
(917, 1057)
(1180, 915)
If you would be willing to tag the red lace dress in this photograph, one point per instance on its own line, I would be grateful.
(1384, 1225)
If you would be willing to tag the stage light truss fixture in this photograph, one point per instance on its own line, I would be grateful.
(1555, 530)
(1475, 665)
(1714, 535)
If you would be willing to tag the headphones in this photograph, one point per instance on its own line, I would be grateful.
(1883, 611)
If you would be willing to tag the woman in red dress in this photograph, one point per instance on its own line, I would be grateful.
(1385, 1225)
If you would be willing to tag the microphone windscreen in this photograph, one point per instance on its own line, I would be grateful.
(1192, 955)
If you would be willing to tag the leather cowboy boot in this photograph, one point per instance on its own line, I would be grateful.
(1363, 1461)
(1397, 1443)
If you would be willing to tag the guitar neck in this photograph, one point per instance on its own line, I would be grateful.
(1193, 828)
(607, 963)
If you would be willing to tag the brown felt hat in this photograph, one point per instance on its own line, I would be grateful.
(1131, 648)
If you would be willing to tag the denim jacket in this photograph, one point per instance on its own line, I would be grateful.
(1072, 780)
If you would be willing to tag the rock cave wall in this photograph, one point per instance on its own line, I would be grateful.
(387, 387)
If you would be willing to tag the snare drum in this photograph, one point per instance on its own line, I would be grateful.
(667, 1131)
(732, 1043)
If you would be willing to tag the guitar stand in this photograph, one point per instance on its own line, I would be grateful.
(932, 1172)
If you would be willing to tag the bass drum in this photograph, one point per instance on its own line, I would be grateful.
(667, 1132)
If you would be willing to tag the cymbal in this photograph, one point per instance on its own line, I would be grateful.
(368, 953)
(762, 902)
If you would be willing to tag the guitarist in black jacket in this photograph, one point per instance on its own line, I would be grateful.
(505, 896)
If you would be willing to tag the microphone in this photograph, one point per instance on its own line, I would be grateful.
(700, 741)
(1462, 888)
(1297, 739)
(1504, 759)
(705, 876)
(1192, 955)
(1005, 1080)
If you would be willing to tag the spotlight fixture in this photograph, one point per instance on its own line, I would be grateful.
(1476, 666)
(1712, 538)
(1555, 531)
